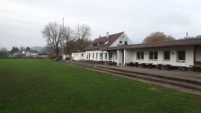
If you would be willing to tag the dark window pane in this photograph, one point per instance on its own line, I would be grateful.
(150, 55)
(167, 55)
(181, 55)
(155, 55)
(142, 55)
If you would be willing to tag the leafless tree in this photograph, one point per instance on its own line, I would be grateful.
(82, 33)
(69, 36)
(53, 32)
(68, 33)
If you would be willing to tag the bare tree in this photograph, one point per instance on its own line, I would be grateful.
(53, 32)
(68, 33)
(68, 36)
(82, 34)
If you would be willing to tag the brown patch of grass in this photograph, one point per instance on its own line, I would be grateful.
(154, 89)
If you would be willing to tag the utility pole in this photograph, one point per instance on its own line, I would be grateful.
(48, 47)
(186, 34)
(63, 42)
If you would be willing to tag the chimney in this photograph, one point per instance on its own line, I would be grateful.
(107, 35)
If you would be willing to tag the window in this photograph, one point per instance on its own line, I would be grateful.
(93, 55)
(140, 55)
(153, 55)
(125, 43)
(166, 55)
(105, 55)
(120, 42)
(95, 45)
(106, 42)
(110, 55)
(82, 55)
(96, 55)
(101, 55)
(181, 56)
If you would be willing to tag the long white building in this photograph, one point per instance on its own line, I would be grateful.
(182, 53)
(119, 48)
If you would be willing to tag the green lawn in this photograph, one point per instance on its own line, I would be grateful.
(42, 86)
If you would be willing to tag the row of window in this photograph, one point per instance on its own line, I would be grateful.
(153, 55)
(93, 55)
(125, 42)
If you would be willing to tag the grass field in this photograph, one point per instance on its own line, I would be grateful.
(42, 86)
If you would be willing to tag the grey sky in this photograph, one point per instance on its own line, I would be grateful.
(21, 21)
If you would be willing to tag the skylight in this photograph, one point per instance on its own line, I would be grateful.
(106, 42)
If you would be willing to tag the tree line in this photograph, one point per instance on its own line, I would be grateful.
(4, 53)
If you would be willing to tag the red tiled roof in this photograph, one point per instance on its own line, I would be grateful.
(104, 41)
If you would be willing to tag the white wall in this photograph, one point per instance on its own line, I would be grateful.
(122, 38)
(114, 56)
(97, 55)
(119, 56)
(131, 56)
(128, 56)
(88, 55)
(78, 56)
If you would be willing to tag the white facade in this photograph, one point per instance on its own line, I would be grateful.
(31, 53)
(96, 55)
(122, 40)
(99, 55)
(173, 58)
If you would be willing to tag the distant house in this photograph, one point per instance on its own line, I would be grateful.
(30, 53)
(42, 55)
(95, 51)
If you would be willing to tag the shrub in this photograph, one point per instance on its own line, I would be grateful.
(52, 56)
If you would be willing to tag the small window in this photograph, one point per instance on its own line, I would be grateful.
(181, 56)
(120, 42)
(106, 42)
(125, 43)
(82, 55)
(153, 55)
(166, 55)
(93, 55)
(101, 55)
(105, 55)
(140, 55)
(96, 55)
(110, 55)
(95, 45)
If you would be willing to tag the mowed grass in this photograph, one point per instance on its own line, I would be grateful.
(44, 86)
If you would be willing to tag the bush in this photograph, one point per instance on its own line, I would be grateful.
(52, 56)
(60, 56)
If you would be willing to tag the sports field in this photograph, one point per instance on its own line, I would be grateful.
(45, 86)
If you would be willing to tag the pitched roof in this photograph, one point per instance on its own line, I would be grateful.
(103, 42)
(175, 43)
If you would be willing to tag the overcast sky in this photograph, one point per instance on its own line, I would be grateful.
(21, 21)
